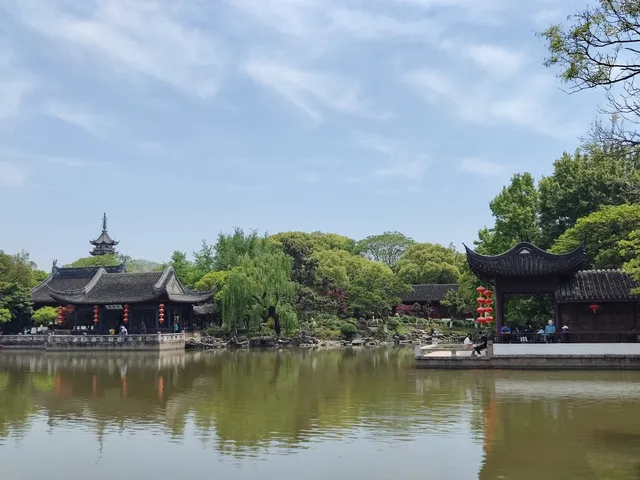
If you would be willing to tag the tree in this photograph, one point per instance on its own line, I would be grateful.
(17, 268)
(45, 316)
(386, 248)
(258, 289)
(580, 185)
(462, 301)
(5, 315)
(631, 249)
(135, 265)
(429, 263)
(603, 231)
(230, 249)
(17, 300)
(204, 261)
(598, 49)
(96, 261)
(182, 267)
(515, 212)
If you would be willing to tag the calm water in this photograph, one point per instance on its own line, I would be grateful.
(308, 415)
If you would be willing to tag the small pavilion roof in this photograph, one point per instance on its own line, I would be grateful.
(126, 288)
(597, 286)
(67, 278)
(429, 292)
(525, 260)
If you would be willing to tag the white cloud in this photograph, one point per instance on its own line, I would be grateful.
(311, 91)
(400, 161)
(140, 38)
(12, 175)
(78, 116)
(478, 166)
(15, 85)
(525, 103)
(496, 60)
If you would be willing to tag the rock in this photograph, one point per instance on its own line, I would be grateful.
(357, 342)
(263, 342)
(238, 343)
(303, 338)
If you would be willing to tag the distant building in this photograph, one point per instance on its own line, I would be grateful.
(104, 244)
(429, 297)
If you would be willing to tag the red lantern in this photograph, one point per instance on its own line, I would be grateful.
(480, 289)
(488, 301)
(488, 319)
(481, 310)
(488, 309)
(60, 315)
(161, 313)
(96, 314)
(594, 307)
(480, 299)
(488, 293)
(481, 319)
(125, 316)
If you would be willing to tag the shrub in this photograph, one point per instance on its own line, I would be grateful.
(348, 330)
(325, 333)
(214, 331)
(393, 323)
(45, 316)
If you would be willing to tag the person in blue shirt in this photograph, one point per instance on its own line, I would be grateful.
(550, 329)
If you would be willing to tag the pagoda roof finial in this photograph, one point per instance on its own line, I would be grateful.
(104, 222)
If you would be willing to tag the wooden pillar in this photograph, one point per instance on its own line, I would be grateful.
(499, 306)
(558, 315)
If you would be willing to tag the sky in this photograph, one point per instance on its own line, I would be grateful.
(184, 118)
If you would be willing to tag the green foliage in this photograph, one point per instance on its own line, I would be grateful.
(429, 263)
(603, 231)
(386, 248)
(595, 51)
(257, 289)
(212, 280)
(45, 316)
(582, 184)
(182, 267)
(631, 249)
(39, 276)
(141, 266)
(231, 249)
(214, 332)
(515, 213)
(393, 322)
(462, 302)
(17, 300)
(17, 268)
(97, 261)
(5, 315)
(348, 330)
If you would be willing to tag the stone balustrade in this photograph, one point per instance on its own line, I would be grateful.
(134, 342)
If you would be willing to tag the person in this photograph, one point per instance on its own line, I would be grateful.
(550, 330)
(467, 342)
(564, 334)
(505, 331)
(176, 327)
(123, 330)
(477, 350)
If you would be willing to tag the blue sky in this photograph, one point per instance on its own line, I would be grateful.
(182, 118)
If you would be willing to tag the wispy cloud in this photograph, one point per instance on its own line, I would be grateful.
(78, 116)
(140, 38)
(12, 175)
(478, 166)
(497, 60)
(400, 162)
(15, 85)
(312, 92)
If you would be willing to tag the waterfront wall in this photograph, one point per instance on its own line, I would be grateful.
(603, 362)
(564, 349)
(147, 342)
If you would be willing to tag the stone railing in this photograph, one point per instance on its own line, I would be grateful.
(153, 342)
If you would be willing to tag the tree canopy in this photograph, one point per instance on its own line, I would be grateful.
(97, 261)
(429, 263)
(387, 247)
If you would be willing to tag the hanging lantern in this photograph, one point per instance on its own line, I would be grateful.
(488, 309)
(594, 307)
(480, 299)
(488, 301)
(60, 315)
(96, 314)
(488, 319)
(488, 293)
(125, 316)
(480, 289)
(481, 310)
(481, 319)
(161, 313)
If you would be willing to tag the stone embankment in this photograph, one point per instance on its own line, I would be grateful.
(305, 340)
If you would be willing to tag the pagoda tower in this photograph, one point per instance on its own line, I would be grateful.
(104, 244)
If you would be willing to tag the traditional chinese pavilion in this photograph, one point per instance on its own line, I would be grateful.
(430, 296)
(104, 244)
(103, 298)
(584, 300)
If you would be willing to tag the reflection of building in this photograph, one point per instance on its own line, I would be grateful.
(429, 296)
(584, 300)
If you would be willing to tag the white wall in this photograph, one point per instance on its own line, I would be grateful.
(554, 349)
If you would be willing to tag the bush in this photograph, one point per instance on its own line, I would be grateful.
(45, 316)
(214, 332)
(348, 330)
(325, 333)
(393, 323)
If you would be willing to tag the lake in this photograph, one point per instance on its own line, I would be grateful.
(310, 415)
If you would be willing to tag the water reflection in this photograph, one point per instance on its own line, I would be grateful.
(312, 414)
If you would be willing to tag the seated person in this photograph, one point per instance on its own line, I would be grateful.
(477, 350)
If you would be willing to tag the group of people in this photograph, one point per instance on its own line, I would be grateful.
(476, 348)
(526, 333)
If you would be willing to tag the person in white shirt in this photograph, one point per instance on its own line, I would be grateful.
(467, 342)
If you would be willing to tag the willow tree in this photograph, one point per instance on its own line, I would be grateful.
(258, 289)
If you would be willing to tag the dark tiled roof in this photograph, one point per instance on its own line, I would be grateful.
(207, 309)
(123, 288)
(433, 292)
(103, 239)
(597, 286)
(525, 260)
(70, 278)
